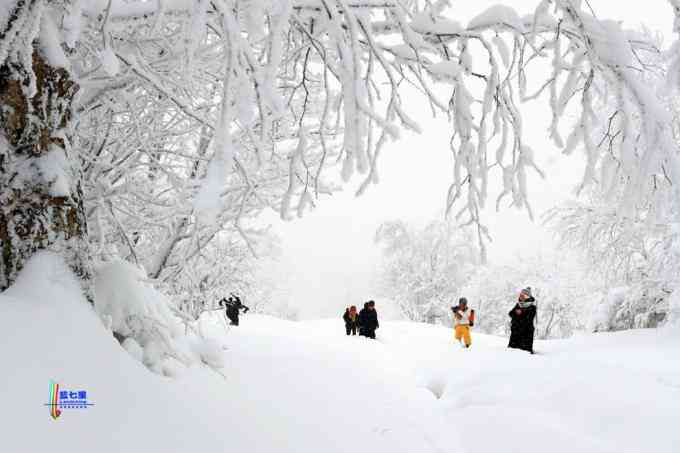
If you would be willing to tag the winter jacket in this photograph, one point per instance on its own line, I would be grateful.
(368, 320)
(467, 317)
(349, 322)
(522, 326)
(233, 306)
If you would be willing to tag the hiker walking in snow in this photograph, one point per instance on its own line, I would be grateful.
(362, 315)
(522, 325)
(368, 320)
(351, 318)
(233, 307)
(463, 319)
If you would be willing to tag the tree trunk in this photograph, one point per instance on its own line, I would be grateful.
(41, 200)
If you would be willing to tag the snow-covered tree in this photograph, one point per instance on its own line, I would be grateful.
(631, 255)
(263, 96)
(223, 268)
(41, 191)
(423, 270)
(629, 247)
(150, 130)
(566, 295)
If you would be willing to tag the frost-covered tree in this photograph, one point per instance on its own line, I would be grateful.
(158, 126)
(423, 270)
(224, 268)
(630, 247)
(631, 256)
(566, 294)
(41, 193)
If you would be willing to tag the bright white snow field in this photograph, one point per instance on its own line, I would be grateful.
(306, 387)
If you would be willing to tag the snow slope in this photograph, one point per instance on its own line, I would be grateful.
(305, 387)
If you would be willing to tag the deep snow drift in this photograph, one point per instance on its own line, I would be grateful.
(305, 387)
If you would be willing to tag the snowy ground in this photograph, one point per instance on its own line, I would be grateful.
(305, 387)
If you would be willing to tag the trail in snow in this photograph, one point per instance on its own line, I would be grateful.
(594, 393)
(306, 387)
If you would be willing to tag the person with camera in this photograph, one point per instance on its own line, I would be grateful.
(233, 307)
(464, 319)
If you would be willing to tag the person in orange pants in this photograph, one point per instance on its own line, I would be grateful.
(464, 319)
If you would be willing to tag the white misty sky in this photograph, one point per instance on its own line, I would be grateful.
(328, 257)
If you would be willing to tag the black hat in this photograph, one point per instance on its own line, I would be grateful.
(462, 300)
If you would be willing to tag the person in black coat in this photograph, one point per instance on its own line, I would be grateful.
(351, 318)
(368, 320)
(362, 315)
(233, 307)
(522, 325)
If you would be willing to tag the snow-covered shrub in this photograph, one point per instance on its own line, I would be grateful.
(133, 348)
(629, 307)
(674, 311)
(629, 254)
(564, 294)
(140, 317)
(424, 269)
